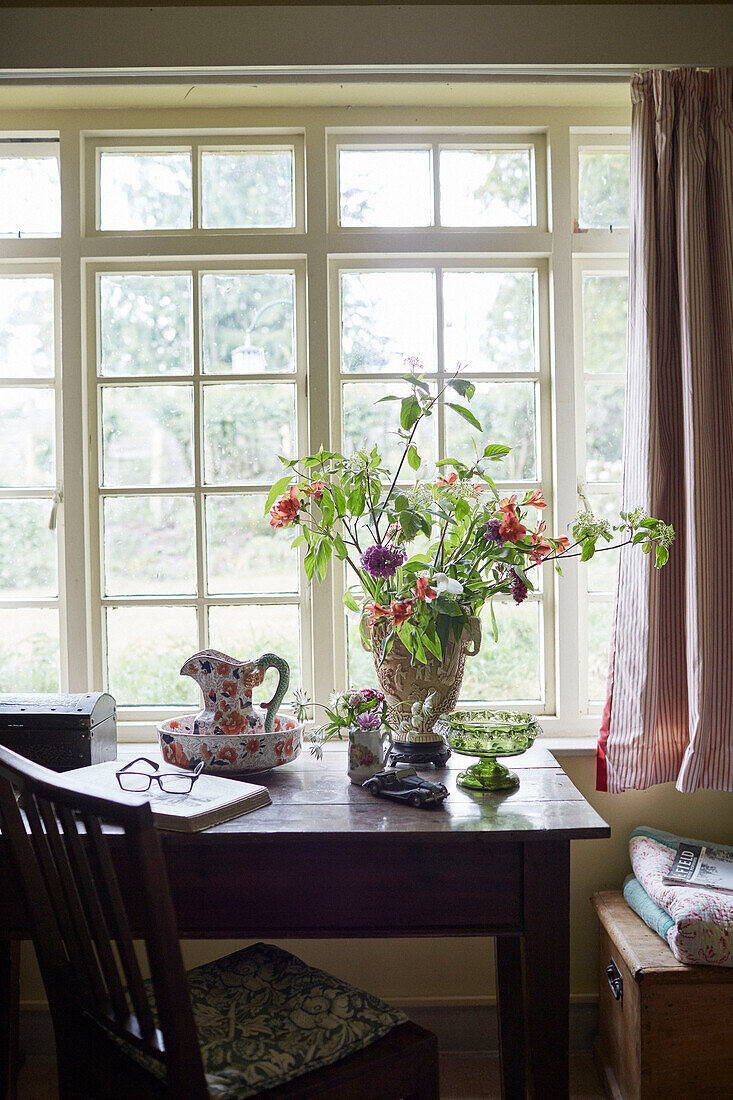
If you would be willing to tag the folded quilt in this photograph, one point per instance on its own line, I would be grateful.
(697, 924)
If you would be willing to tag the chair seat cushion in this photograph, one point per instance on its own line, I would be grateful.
(265, 1017)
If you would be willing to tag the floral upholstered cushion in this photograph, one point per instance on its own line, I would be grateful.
(264, 1017)
(699, 924)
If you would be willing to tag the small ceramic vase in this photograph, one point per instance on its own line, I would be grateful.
(226, 685)
(368, 749)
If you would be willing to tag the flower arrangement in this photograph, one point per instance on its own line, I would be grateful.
(476, 544)
(363, 709)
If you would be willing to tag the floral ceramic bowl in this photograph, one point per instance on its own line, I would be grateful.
(230, 754)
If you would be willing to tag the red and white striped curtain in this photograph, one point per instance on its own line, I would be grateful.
(669, 714)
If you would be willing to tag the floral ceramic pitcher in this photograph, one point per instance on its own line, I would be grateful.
(227, 684)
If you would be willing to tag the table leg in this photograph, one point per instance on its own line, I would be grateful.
(9, 1016)
(547, 966)
(510, 1005)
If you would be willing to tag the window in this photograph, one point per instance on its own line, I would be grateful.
(251, 292)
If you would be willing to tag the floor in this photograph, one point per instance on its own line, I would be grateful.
(462, 1077)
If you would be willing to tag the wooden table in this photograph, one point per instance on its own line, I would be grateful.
(327, 859)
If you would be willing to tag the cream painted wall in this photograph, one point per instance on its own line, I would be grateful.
(460, 971)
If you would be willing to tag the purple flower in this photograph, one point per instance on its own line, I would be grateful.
(368, 694)
(370, 720)
(382, 561)
(354, 699)
(519, 588)
(493, 532)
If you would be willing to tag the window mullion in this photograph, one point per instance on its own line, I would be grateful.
(568, 653)
(77, 630)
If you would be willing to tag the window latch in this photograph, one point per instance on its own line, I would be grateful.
(58, 498)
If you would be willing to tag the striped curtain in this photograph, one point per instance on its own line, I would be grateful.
(669, 710)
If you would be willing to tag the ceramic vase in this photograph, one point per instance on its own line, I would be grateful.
(226, 685)
(404, 683)
(368, 751)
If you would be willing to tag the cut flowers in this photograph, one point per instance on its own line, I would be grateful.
(423, 557)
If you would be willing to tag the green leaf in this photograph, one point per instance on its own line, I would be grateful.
(431, 641)
(298, 541)
(496, 451)
(277, 490)
(339, 498)
(413, 458)
(323, 555)
(389, 397)
(350, 602)
(341, 551)
(463, 386)
(462, 509)
(309, 563)
(410, 522)
(466, 414)
(589, 549)
(494, 624)
(415, 380)
(355, 500)
(410, 412)
(662, 556)
(523, 577)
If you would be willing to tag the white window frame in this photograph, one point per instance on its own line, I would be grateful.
(318, 243)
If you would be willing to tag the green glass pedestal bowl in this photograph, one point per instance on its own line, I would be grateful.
(488, 734)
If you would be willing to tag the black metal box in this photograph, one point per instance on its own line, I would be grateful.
(60, 731)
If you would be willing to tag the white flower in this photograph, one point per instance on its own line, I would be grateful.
(444, 583)
(358, 463)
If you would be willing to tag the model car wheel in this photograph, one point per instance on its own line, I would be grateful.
(415, 800)
(374, 789)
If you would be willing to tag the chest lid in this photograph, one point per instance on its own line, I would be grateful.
(57, 712)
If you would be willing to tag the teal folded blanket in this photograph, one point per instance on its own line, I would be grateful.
(648, 910)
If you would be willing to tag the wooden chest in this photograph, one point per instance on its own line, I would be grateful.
(665, 1031)
(60, 731)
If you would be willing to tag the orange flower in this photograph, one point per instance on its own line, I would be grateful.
(206, 753)
(285, 510)
(315, 489)
(450, 480)
(173, 724)
(511, 529)
(174, 754)
(228, 753)
(253, 745)
(535, 498)
(423, 589)
(233, 723)
(230, 687)
(507, 504)
(376, 611)
(401, 611)
(542, 547)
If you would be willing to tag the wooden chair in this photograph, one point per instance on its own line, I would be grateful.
(116, 1034)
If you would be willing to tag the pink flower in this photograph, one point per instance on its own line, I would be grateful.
(401, 611)
(315, 489)
(450, 480)
(535, 499)
(511, 529)
(285, 510)
(423, 590)
(508, 503)
(376, 611)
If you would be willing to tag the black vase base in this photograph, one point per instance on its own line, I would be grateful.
(419, 753)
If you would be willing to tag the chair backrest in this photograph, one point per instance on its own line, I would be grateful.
(83, 920)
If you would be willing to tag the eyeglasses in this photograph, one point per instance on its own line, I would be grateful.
(138, 782)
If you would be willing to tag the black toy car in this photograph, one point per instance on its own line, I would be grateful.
(405, 785)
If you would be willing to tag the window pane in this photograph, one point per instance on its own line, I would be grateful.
(360, 666)
(145, 324)
(30, 197)
(26, 327)
(248, 322)
(366, 424)
(146, 648)
(249, 631)
(385, 187)
(601, 569)
(603, 189)
(147, 435)
(29, 649)
(28, 564)
(506, 412)
(599, 640)
(387, 316)
(604, 420)
(145, 191)
(604, 323)
(149, 546)
(247, 427)
(245, 190)
(489, 319)
(27, 445)
(243, 552)
(486, 187)
(509, 670)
